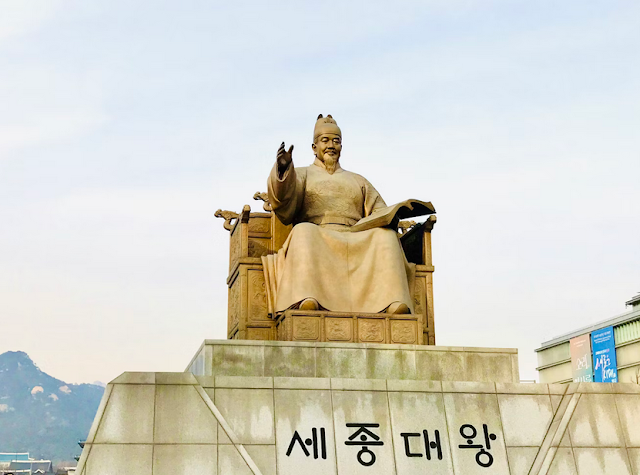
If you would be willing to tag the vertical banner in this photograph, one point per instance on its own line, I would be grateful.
(580, 347)
(605, 366)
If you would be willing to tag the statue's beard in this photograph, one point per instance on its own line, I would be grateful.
(330, 163)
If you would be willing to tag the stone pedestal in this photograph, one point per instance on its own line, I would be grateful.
(354, 360)
(179, 424)
(286, 408)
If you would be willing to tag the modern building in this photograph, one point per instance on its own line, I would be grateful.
(31, 467)
(7, 457)
(20, 464)
(557, 363)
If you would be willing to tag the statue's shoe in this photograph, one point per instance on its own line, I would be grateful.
(398, 308)
(309, 304)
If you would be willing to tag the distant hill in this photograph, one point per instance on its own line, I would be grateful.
(40, 414)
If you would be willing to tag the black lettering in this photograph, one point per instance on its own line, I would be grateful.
(296, 437)
(407, 448)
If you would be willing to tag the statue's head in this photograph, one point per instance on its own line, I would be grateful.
(327, 142)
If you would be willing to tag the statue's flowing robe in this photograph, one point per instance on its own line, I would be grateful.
(344, 271)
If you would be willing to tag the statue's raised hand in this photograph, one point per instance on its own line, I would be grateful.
(284, 158)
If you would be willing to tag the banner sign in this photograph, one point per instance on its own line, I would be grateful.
(580, 347)
(604, 356)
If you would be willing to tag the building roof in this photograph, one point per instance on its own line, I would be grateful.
(33, 465)
(634, 301)
(11, 456)
(615, 321)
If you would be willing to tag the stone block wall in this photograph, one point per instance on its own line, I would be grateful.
(354, 360)
(176, 423)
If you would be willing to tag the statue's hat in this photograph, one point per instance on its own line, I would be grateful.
(325, 125)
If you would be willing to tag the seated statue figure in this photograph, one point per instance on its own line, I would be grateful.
(325, 264)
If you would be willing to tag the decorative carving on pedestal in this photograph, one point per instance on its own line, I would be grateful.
(403, 332)
(339, 329)
(371, 331)
(306, 329)
(299, 325)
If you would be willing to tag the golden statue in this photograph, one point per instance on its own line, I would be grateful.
(326, 260)
(343, 253)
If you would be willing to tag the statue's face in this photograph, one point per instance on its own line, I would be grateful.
(328, 146)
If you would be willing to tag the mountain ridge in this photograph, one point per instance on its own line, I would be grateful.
(41, 414)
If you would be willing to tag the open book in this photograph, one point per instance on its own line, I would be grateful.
(389, 216)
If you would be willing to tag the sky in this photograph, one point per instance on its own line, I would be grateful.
(125, 125)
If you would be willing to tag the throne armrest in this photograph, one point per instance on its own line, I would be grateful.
(416, 242)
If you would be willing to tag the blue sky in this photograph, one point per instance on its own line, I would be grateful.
(125, 125)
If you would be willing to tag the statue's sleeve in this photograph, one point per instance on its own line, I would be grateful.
(372, 199)
(286, 192)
